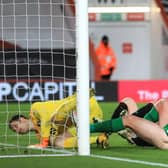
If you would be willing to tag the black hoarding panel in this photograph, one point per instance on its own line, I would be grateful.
(24, 91)
(106, 91)
(39, 64)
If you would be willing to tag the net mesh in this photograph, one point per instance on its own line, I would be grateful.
(37, 63)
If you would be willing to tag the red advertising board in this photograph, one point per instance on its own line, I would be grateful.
(143, 91)
(127, 48)
(135, 17)
(92, 17)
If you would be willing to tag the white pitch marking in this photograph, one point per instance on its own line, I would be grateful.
(130, 160)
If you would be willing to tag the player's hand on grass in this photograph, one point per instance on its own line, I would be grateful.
(103, 140)
(44, 144)
(37, 146)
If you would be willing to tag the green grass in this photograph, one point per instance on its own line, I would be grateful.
(119, 148)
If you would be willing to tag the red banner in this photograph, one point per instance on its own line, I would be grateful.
(127, 48)
(92, 17)
(143, 91)
(135, 17)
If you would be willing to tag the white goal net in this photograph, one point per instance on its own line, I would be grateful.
(37, 63)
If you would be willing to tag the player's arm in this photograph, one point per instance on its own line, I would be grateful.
(42, 129)
(45, 131)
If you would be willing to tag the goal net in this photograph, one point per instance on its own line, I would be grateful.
(38, 62)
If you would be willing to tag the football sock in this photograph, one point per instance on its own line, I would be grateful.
(143, 110)
(166, 129)
(152, 115)
(107, 126)
(122, 106)
(148, 112)
(72, 141)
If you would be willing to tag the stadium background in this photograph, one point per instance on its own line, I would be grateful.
(140, 41)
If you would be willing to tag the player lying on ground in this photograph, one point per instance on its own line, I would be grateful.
(128, 106)
(54, 122)
(149, 123)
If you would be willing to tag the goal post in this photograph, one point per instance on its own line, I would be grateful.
(44, 56)
(82, 76)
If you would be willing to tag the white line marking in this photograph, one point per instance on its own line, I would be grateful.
(131, 160)
(56, 152)
(31, 156)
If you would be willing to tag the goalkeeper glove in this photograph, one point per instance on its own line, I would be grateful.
(103, 140)
(44, 144)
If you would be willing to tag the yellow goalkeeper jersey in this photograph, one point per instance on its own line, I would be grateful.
(42, 113)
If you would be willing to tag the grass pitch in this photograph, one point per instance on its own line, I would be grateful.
(120, 154)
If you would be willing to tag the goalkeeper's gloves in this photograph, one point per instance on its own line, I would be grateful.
(103, 140)
(44, 144)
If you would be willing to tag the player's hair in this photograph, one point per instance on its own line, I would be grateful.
(15, 118)
(105, 40)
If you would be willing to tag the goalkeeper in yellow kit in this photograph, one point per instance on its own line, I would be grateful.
(54, 122)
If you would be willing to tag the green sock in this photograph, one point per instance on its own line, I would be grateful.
(166, 129)
(113, 125)
(152, 115)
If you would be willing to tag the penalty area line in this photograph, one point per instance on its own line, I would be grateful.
(131, 160)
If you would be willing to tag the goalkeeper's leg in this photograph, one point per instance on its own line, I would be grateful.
(71, 142)
(68, 139)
